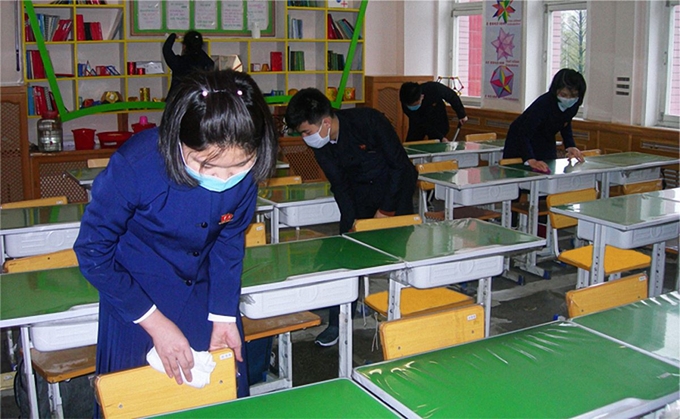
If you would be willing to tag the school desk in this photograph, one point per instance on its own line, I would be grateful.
(337, 398)
(300, 205)
(670, 194)
(549, 371)
(288, 277)
(627, 222)
(447, 252)
(466, 153)
(494, 157)
(37, 230)
(40, 296)
(634, 167)
(652, 325)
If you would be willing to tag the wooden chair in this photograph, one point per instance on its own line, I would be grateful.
(408, 143)
(95, 163)
(413, 300)
(593, 152)
(427, 332)
(484, 136)
(282, 181)
(143, 391)
(41, 202)
(616, 260)
(642, 187)
(606, 295)
(514, 160)
(65, 364)
(426, 188)
(280, 326)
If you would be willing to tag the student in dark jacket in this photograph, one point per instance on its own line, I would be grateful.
(361, 155)
(424, 105)
(532, 135)
(192, 58)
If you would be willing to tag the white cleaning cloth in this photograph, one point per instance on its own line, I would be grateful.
(200, 373)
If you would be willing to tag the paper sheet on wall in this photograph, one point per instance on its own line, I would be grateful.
(232, 15)
(177, 15)
(257, 13)
(205, 15)
(503, 53)
(149, 15)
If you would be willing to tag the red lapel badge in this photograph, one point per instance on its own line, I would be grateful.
(363, 147)
(225, 218)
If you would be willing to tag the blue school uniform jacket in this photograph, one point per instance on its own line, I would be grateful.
(532, 134)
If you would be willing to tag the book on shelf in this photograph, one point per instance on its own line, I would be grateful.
(349, 27)
(80, 28)
(116, 26)
(63, 30)
(39, 100)
(34, 68)
(295, 28)
(276, 61)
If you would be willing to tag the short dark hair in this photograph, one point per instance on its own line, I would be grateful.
(308, 105)
(193, 41)
(217, 108)
(410, 92)
(572, 80)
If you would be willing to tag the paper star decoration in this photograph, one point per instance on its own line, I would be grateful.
(503, 44)
(503, 10)
(501, 81)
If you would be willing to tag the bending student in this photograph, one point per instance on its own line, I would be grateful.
(358, 150)
(192, 58)
(532, 135)
(163, 237)
(426, 111)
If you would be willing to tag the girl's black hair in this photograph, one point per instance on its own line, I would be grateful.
(572, 80)
(217, 108)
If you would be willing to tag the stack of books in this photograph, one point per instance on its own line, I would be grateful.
(53, 28)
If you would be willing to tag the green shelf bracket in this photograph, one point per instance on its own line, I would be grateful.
(358, 29)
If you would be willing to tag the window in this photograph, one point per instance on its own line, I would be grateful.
(566, 25)
(671, 98)
(466, 57)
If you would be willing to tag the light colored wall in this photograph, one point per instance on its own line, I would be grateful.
(8, 72)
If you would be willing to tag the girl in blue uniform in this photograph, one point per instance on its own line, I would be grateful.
(163, 237)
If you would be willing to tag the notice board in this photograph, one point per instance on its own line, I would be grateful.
(214, 17)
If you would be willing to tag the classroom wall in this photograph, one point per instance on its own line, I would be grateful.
(9, 76)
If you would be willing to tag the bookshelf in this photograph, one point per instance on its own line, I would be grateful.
(72, 83)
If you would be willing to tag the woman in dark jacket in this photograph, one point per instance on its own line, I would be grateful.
(193, 57)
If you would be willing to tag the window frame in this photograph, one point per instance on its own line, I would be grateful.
(460, 10)
(665, 119)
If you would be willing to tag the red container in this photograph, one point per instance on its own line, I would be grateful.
(83, 138)
(142, 125)
(113, 139)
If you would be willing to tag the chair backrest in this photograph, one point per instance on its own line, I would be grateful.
(562, 221)
(437, 166)
(59, 259)
(93, 163)
(256, 235)
(427, 332)
(144, 391)
(282, 181)
(606, 295)
(484, 136)
(408, 143)
(41, 202)
(514, 160)
(641, 187)
(366, 224)
(593, 152)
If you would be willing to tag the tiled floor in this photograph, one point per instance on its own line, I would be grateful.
(513, 307)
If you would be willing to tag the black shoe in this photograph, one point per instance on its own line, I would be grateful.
(328, 337)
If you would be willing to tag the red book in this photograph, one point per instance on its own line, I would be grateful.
(62, 31)
(80, 28)
(329, 28)
(276, 61)
(96, 31)
(39, 100)
(37, 65)
(53, 102)
(28, 35)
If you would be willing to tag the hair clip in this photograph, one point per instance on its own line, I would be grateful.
(204, 93)
(239, 92)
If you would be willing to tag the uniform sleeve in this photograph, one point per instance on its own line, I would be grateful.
(340, 186)
(532, 118)
(567, 135)
(115, 198)
(226, 258)
(171, 59)
(397, 163)
(452, 98)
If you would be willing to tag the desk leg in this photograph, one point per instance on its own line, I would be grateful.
(275, 225)
(484, 298)
(657, 269)
(28, 373)
(529, 262)
(448, 204)
(604, 193)
(394, 303)
(345, 342)
(597, 264)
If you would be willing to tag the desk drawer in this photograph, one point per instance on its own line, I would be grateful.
(306, 215)
(632, 238)
(454, 272)
(264, 304)
(480, 195)
(64, 334)
(37, 243)
(563, 184)
(464, 160)
(634, 176)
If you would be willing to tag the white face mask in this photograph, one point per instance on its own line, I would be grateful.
(316, 140)
(565, 103)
